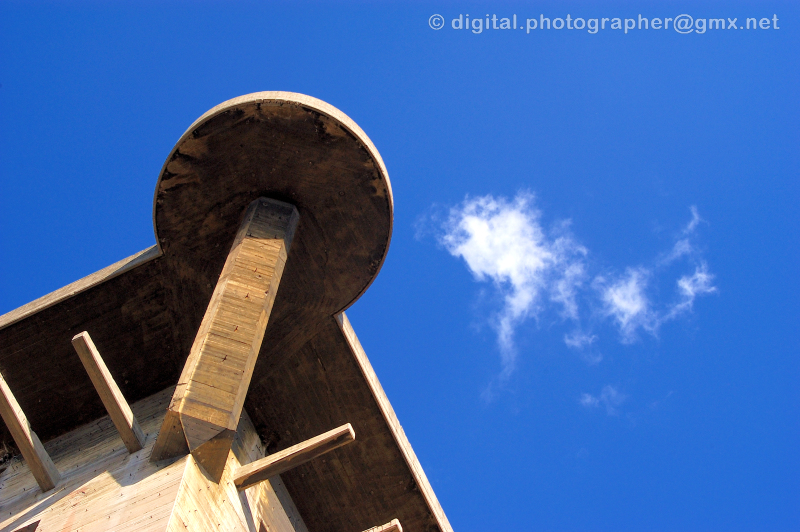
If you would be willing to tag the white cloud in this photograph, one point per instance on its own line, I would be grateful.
(683, 246)
(532, 270)
(624, 300)
(690, 286)
(565, 289)
(503, 242)
(589, 400)
(579, 339)
(610, 398)
(692, 225)
(625, 297)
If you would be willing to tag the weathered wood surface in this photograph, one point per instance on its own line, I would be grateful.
(81, 285)
(29, 528)
(392, 526)
(420, 478)
(290, 147)
(205, 505)
(376, 478)
(144, 320)
(105, 488)
(275, 464)
(116, 405)
(36, 458)
(135, 322)
(213, 385)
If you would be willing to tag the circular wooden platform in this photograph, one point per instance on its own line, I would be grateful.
(289, 147)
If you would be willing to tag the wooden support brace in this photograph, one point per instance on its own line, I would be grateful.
(282, 461)
(107, 388)
(39, 462)
(392, 526)
(208, 400)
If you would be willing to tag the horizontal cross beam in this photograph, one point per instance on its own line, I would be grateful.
(296, 455)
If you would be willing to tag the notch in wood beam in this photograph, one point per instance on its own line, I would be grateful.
(39, 462)
(107, 388)
(282, 461)
(392, 526)
(208, 400)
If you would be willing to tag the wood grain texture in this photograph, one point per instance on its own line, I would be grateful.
(144, 314)
(81, 285)
(103, 486)
(290, 147)
(369, 481)
(36, 458)
(392, 526)
(389, 415)
(116, 405)
(212, 388)
(280, 462)
(29, 528)
(106, 488)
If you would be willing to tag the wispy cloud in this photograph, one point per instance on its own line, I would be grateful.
(533, 269)
(579, 340)
(503, 242)
(610, 398)
(625, 301)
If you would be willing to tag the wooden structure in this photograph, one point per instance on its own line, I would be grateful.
(214, 381)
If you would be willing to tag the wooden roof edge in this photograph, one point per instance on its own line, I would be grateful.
(394, 424)
(81, 285)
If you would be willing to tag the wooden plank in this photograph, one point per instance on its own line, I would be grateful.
(292, 457)
(115, 403)
(389, 415)
(105, 488)
(391, 526)
(28, 443)
(210, 395)
(81, 285)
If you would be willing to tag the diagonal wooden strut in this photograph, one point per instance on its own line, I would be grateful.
(282, 461)
(209, 397)
(39, 462)
(115, 403)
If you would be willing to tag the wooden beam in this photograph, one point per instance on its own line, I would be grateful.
(209, 398)
(39, 462)
(282, 461)
(417, 473)
(392, 526)
(115, 403)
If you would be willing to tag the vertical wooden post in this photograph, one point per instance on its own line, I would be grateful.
(39, 462)
(116, 405)
(208, 400)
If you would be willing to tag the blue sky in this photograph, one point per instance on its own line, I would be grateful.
(587, 319)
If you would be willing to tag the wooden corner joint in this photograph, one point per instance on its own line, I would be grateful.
(208, 401)
(282, 461)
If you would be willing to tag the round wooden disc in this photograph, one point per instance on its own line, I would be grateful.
(289, 147)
